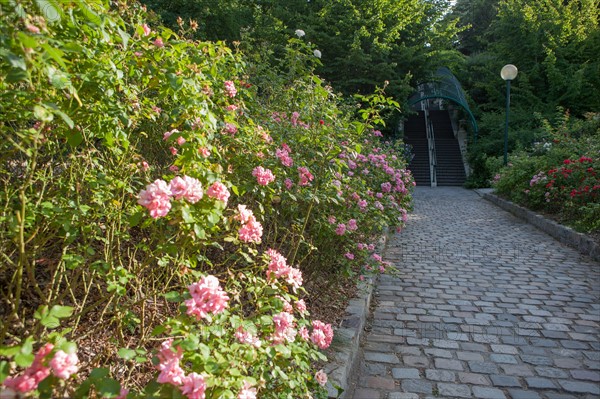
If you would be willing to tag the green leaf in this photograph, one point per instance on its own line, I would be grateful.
(173, 296)
(89, 14)
(4, 370)
(16, 75)
(24, 359)
(9, 351)
(75, 138)
(61, 312)
(186, 214)
(135, 219)
(108, 387)
(50, 10)
(126, 353)
(199, 231)
(158, 330)
(55, 54)
(69, 347)
(26, 40)
(204, 351)
(124, 37)
(42, 114)
(14, 60)
(99, 373)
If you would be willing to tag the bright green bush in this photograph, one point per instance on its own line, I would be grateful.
(136, 163)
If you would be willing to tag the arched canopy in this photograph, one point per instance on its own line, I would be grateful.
(444, 85)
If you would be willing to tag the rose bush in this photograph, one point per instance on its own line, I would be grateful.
(560, 174)
(136, 162)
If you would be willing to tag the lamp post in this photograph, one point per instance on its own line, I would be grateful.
(508, 73)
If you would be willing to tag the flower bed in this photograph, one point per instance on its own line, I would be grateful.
(184, 197)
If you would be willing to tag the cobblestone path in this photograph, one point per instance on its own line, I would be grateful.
(485, 306)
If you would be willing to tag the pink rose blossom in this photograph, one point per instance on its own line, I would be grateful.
(231, 107)
(386, 187)
(294, 118)
(194, 386)
(305, 176)
(32, 28)
(207, 297)
(186, 187)
(156, 198)
(322, 334)
(205, 152)
(349, 255)
(362, 204)
(377, 133)
(156, 109)
(247, 392)
(376, 257)
(352, 225)
(174, 168)
(245, 337)
(277, 264)
(331, 219)
(263, 176)
(263, 134)
(33, 374)
(294, 278)
(301, 305)
(159, 42)
(180, 140)
(284, 157)
(123, 393)
(230, 88)
(218, 191)
(304, 334)
(138, 54)
(321, 378)
(251, 231)
(283, 321)
(244, 214)
(361, 246)
(230, 128)
(63, 364)
(341, 229)
(146, 29)
(288, 184)
(169, 133)
(173, 150)
(144, 166)
(371, 247)
(284, 328)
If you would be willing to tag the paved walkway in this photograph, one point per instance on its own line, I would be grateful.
(485, 306)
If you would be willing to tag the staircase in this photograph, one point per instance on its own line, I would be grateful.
(416, 135)
(450, 168)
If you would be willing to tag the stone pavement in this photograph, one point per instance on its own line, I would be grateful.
(484, 306)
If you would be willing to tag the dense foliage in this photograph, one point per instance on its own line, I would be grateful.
(171, 197)
(560, 174)
(553, 43)
(363, 43)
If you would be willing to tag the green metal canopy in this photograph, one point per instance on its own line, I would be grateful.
(444, 85)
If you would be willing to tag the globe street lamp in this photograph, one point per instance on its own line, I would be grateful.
(508, 73)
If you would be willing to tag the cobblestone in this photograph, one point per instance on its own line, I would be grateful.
(484, 306)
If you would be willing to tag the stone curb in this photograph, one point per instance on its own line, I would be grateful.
(346, 341)
(564, 234)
